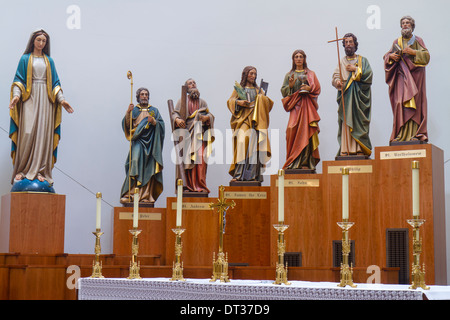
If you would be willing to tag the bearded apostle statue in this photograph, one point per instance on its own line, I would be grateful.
(404, 66)
(353, 79)
(192, 120)
(144, 128)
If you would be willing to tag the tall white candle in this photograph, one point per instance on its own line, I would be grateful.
(136, 208)
(345, 173)
(179, 201)
(415, 189)
(99, 210)
(281, 195)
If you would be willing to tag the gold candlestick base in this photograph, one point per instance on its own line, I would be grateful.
(220, 267)
(346, 270)
(281, 269)
(417, 273)
(97, 264)
(135, 266)
(177, 269)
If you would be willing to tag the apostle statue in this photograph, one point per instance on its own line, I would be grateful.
(404, 66)
(249, 107)
(144, 128)
(192, 116)
(35, 111)
(300, 91)
(353, 79)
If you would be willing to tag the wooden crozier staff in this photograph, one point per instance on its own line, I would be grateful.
(342, 82)
(130, 76)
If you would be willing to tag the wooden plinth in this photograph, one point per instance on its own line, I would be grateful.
(304, 213)
(379, 199)
(393, 205)
(152, 222)
(361, 203)
(247, 229)
(32, 223)
(200, 238)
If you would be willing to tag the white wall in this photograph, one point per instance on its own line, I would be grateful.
(165, 42)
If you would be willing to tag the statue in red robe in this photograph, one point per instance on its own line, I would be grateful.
(300, 91)
(404, 66)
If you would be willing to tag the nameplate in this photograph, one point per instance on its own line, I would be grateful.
(403, 154)
(300, 183)
(351, 169)
(142, 216)
(245, 195)
(192, 205)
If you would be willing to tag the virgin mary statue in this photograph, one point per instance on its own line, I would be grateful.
(35, 111)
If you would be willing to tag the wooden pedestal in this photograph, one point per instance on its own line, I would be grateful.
(380, 200)
(201, 236)
(247, 229)
(32, 223)
(361, 206)
(152, 222)
(393, 203)
(304, 213)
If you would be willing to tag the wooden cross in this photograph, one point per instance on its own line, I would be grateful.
(342, 80)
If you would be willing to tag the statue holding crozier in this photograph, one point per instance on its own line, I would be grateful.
(144, 128)
(404, 66)
(192, 125)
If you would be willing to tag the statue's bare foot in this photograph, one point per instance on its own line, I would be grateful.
(40, 178)
(20, 176)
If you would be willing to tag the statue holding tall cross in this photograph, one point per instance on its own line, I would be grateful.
(353, 79)
(191, 115)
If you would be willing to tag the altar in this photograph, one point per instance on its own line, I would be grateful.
(203, 289)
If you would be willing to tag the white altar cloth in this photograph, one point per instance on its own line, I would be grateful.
(202, 289)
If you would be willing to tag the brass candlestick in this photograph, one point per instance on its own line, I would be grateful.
(134, 264)
(417, 273)
(97, 264)
(177, 269)
(346, 269)
(220, 266)
(281, 269)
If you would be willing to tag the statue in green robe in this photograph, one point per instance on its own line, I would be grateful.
(353, 79)
(144, 127)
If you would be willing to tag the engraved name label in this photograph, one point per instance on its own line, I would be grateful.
(351, 169)
(142, 216)
(192, 205)
(300, 183)
(403, 154)
(245, 195)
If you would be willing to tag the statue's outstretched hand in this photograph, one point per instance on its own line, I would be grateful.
(67, 106)
(13, 102)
